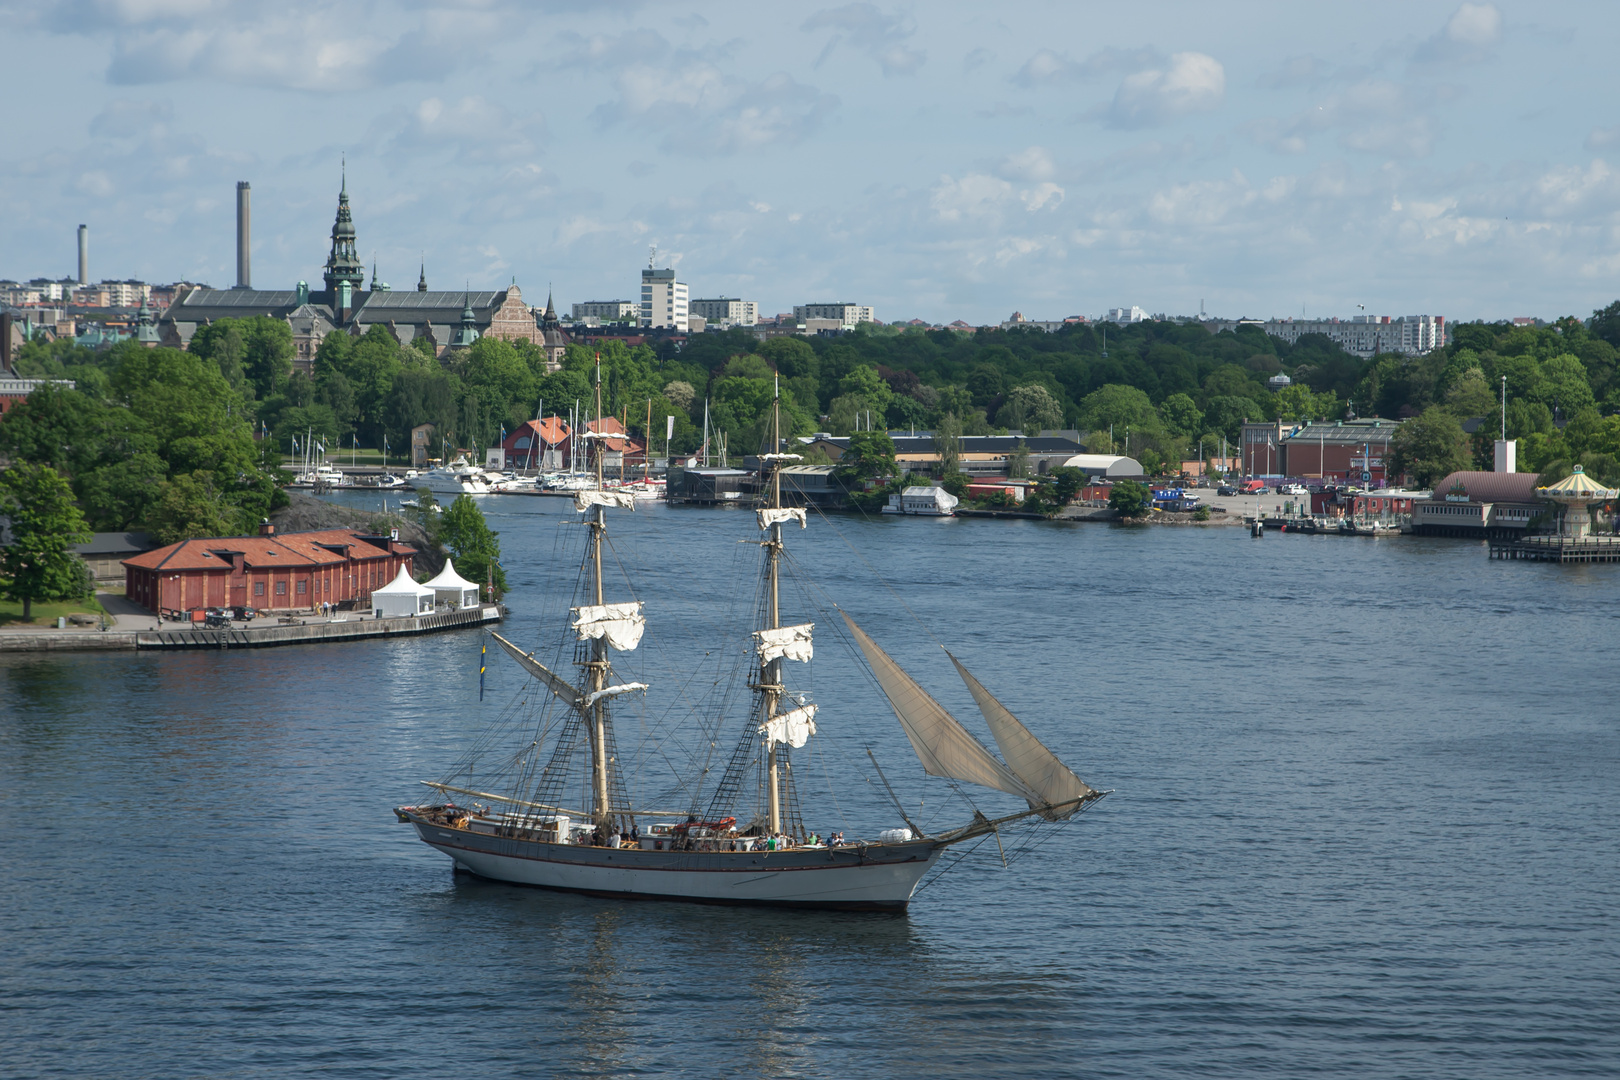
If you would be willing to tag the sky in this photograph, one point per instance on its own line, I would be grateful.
(937, 161)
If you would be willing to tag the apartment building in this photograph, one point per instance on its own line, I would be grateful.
(727, 310)
(664, 300)
(844, 313)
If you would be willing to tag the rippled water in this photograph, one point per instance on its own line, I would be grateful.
(1364, 824)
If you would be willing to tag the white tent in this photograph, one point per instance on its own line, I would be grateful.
(402, 596)
(451, 588)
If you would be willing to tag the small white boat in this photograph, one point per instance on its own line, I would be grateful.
(389, 480)
(324, 475)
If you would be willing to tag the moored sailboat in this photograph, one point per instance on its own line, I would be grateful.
(607, 845)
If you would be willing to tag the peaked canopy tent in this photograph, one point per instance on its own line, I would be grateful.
(451, 588)
(402, 597)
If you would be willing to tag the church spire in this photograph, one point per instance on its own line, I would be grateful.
(421, 282)
(343, 264)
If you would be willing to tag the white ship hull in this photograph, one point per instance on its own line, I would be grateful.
(856, 877)
(447, 484)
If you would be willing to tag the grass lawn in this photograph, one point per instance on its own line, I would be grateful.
(45, 611)
(347, 458)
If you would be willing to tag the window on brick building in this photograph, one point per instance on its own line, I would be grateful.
(258, 588)
(303, 587)
(281, 588)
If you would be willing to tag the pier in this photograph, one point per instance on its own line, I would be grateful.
(1559, 549)
(297, 631)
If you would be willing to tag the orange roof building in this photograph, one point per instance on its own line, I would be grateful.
(287, 572)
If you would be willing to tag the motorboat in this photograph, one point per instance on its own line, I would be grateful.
(458, 477)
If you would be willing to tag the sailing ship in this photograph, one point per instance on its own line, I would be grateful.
(611, 847)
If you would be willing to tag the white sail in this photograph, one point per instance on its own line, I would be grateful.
(793, 727)
(613, 691)
(771, 516)
(620, 624)
(1027, 756)
(789, 642)
(943, 745)
(584, 500)
(553, 682)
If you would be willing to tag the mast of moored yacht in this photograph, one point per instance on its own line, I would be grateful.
(598, 664)
(771, 682)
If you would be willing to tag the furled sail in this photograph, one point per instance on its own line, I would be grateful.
(584, 500)
(553, 682)
(781, 457)
(943, 745)
(613, 691)
(793, 727)
(772, 515)
(790, 642)
(620, 624)
(1027, 756)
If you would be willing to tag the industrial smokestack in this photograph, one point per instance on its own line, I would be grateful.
(244, 235)
(84, 254)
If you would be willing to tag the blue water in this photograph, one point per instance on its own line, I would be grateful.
(1364, 824)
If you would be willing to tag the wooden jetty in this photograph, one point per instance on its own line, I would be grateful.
(1559, 549)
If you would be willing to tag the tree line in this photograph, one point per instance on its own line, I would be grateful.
(189, 443)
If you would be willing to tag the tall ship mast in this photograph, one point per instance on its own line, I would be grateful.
(529, 834)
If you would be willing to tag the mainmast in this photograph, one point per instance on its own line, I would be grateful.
(771, 672)
(598, 664)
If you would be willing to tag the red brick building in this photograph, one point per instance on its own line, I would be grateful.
(288, 572)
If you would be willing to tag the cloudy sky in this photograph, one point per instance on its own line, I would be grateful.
(941, 160)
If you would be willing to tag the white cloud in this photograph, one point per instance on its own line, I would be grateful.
(702, 111)
(1374, 116)
(1041, 197)
(1466, 38)
(1602, 138)
(1192, 82)
(1047, 67)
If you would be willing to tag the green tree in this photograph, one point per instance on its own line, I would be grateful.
(870, 457)
(1429, 447)
(1067, 482)
(37, 564)
(1180, 414)
(1117, 406)
(1128, 498)
(1030, 409)
(472, 544)
(1471, 396)
(947, 436)
(190, 506)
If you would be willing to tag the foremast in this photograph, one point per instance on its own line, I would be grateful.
(597, 667)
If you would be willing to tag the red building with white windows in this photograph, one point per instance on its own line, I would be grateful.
(286, 572)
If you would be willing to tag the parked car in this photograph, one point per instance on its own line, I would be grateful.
(217, 621)
(1253, 487)
(1226, 489)
(244, 613)
(1292, 489)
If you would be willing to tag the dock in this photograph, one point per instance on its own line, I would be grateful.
(306, 630)
(1559, 549)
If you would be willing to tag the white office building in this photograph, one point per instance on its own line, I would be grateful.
(664, 300)
(845, 314)
(607, 310)
(726, 310)
(1125, 315)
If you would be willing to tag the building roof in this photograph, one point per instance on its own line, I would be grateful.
(304, 549)
(1347, 432)
(404, 308)
(1489, 487)
(112, 543)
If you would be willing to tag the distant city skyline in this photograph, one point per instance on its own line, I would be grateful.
(937, 162)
